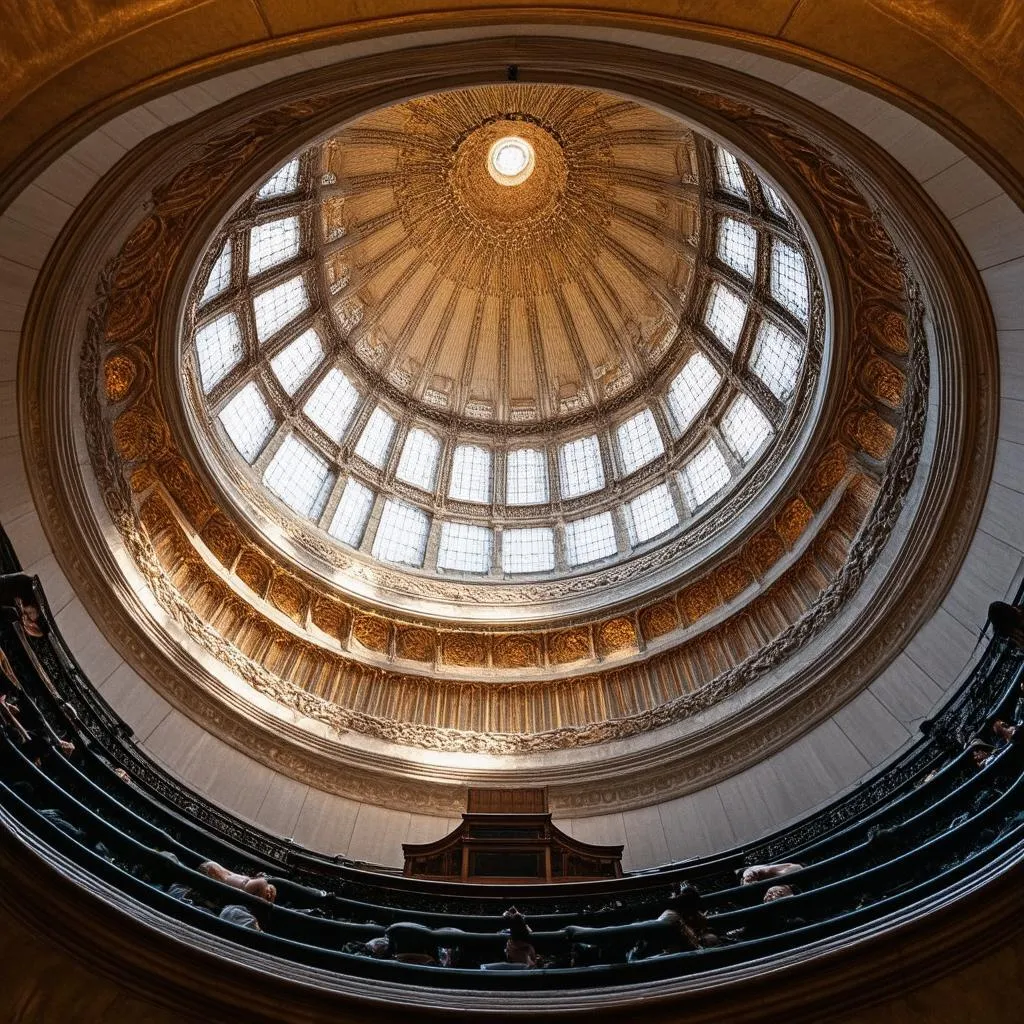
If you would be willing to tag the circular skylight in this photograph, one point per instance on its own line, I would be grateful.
(510, 160)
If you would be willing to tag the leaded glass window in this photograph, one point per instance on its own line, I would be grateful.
(272, 243)
(300, 477)
(704, 475)
(725, 314)
(278, 306)
(350, 517)
(375, 440)
(332, 404)
(402, 534)
(692, 389)
(651, 514)
(219, 349)
(471, 474)
(528, 550)
(639, 441)
(526, 477)
(465, 547)
(745, 428)
(579, 467)
(590, 538)
(417, 464)
(248, 421)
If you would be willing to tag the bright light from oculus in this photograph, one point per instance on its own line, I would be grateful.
(510, 160)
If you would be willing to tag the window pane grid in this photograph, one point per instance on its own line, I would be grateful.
(737, 246)
(332, 404)
(704, 475)
(727, 169)
(219, 349)
(402, 534)
(692, 389)
(220, 274)
(725, 315)
(375, 440)
(789, 279)
(284, 180)
(300, 477)
(776, 359)
(471, 474)
(248, 421)
(639, 441)
(745, 428)
(353, 511)
(278, 306)
(526, 477)
(651, 514)
(579, 467)
(417, 464)
(273, 243)
(465, 548)
(587, 540)
(293, 364)
(528, 550)
(774, 200)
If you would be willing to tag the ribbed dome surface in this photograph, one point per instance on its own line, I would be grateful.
(514, 302)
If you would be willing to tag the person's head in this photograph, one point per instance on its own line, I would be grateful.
(980, 752)
(777, 892)
(259, 886)
(1007, 621)
(379, 948)
(686, 900)
(1002, 730)
(517, 926)
(29, 615)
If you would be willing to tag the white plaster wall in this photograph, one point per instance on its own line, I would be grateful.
(808, 773)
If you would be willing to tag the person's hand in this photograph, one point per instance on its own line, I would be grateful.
(66, 747)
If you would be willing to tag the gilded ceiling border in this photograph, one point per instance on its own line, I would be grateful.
(763, 738)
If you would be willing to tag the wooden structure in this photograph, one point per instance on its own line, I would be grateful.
(507, 836)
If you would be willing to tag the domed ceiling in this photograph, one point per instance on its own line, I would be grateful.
(504, 335)
(509, 420)
(506, 298)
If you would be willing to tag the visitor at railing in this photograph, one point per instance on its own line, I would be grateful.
(762, 872)
(1007, 622)
(256, 885)
(684, 909)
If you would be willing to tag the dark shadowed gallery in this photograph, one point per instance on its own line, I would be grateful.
(512, 511)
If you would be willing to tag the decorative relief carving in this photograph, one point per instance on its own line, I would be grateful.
(119, 374)
(884, 381)
(254, 570)
(793, 520)
(763, 551)
(569, 646)
(698, 600)
(616, 636)
(221, 537)
(658, 620)
(467, 650)
(825, 477)
(331, 616)
(414, 644)
(871, 433)
(733, 578)
(290, 596)
(372, 632)
(516, 652)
